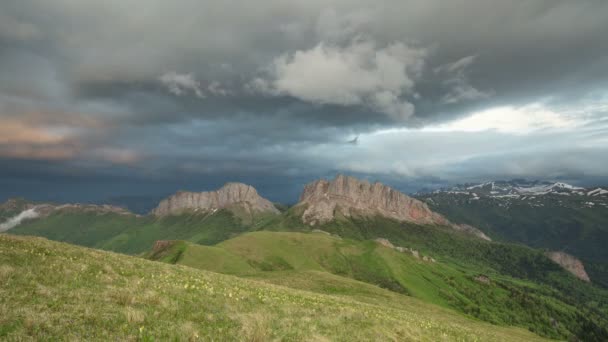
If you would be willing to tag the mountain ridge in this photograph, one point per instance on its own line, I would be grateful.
(324, 200)
(231, 194)
(518, 188)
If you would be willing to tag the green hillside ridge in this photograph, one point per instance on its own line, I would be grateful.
(564, 223)
(526, 289)
(135, 234)
(322, 263)
(57, 291)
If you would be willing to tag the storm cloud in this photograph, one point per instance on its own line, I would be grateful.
(156, 95)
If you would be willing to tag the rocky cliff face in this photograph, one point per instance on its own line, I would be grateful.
(229, 196)
(570, 264)
(349, 196)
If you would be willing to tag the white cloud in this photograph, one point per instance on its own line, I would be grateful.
(518, 120)
(359, 73)
(457, 66)
(179, 84)
(458, 83)
(17, 219)
(536, 140)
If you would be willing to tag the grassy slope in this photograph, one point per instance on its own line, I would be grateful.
(495, 259)
(133, 235)
(545, 286)
(56, 291)
(304, 261)
(562, 223)
(580, 230)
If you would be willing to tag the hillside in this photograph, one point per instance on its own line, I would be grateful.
(555, 216)
(213, 216)
(324, 263)
(56, 291)
(204, 218)
(414, 252)
(133, 234)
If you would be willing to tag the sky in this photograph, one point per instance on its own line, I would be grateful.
(103, 100)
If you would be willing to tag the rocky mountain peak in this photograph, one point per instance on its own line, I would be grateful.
(350, 196)
(230, 195)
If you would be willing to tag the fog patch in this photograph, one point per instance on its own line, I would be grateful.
(16, 220)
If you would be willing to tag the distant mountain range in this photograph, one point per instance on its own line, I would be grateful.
(517, 188)
(541, 214)
(214, 216)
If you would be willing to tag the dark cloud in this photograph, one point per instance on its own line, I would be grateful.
(155, 92)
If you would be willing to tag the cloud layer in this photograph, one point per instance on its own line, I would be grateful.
(197, 93)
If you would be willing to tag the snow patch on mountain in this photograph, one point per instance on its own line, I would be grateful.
(597, 192)
(519, 188)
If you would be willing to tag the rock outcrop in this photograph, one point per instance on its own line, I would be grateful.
(351, 197)
(484, 279)
(570, 264)
(230, 196)
(385, 243)
(161, 245)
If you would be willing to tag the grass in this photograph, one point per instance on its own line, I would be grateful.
(133, 234)
(56, 291)
(553, 221)
(328, 264)
(526, 289)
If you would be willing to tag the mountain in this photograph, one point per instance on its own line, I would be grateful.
(321, 262)
(519, 188)
(387, 249)
(54, 291)
(13, 207)
(16, 211)
(551, 215)
(232, 196)
(322, 201)
(205, 218)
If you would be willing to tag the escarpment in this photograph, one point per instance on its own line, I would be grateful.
(230, 196)
(322, 200)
